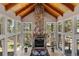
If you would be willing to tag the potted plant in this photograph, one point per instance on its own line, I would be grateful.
(25, 47)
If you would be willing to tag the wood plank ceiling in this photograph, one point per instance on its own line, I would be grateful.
(55, 9)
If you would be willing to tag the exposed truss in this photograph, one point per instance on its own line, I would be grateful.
(55, 9)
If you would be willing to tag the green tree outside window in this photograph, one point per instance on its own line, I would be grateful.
(59, 27)
(50, 27)
(67, 25)
(77, 26)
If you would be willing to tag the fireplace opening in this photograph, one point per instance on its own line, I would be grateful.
(39, 43)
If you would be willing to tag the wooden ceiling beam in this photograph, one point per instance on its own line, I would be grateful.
(25, 12)
(51, 11)
(69, 5)
(56, 9)
(27, 6)
(10, 5)
(75, 4)
(19, 6)
(5, 4)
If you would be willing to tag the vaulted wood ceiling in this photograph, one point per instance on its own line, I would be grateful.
(55, 9)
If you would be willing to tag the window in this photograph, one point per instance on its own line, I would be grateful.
(14, 27)
(77, 29)
(10, 26)
(27, 38)
(68, 45)
(28, 35)
(18, 41)
(67, 25)
(18, 27)
(10, 47)
(59, 27)
(0, 48)
(1, 28)
(60, 42)
(77, 47)
(28, 27)
(50, 27)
